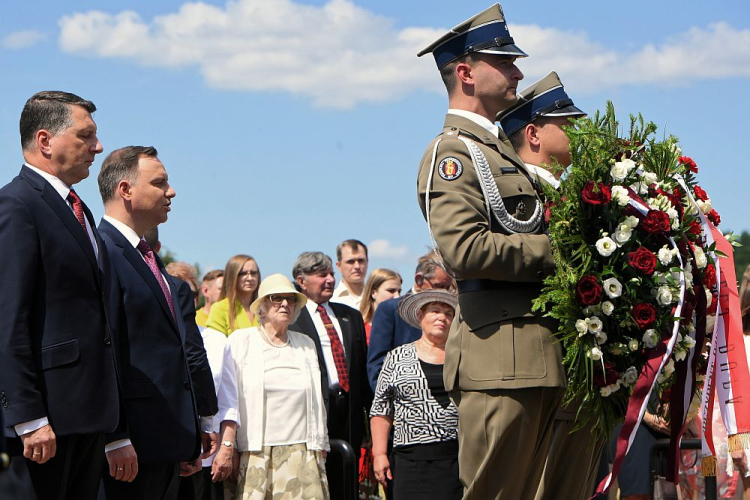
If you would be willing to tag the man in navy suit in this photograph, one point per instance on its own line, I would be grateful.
(389, 330)
(162, 428)
(339, 335)
(58, 384)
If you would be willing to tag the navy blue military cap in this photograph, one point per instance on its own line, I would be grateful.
(486, 33)
(547, 97)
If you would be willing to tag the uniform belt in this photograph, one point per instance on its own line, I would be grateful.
(477, 285)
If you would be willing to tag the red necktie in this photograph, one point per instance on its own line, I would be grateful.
(148, 255)
(339, 359)
(77, 204)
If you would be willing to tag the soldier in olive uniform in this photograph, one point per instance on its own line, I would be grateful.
(534, 126)
(502, 363)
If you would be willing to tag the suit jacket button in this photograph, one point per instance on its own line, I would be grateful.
(504, 313)
(187, 386)
(540, 274)
(107, 341)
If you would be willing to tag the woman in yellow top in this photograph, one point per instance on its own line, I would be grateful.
(240, 288)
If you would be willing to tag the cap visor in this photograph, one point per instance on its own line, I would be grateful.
(566, 111)
(505, 50)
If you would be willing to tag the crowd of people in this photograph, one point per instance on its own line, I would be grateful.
(121, 378)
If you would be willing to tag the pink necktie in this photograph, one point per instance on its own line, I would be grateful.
(339, 359)
(148, 255)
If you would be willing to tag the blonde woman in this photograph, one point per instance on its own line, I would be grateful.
(240, 289)
(283, 439)
(383, 284)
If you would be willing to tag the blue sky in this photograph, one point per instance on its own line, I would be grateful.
(288, 126)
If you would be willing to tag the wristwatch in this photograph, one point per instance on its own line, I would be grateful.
(228, 444)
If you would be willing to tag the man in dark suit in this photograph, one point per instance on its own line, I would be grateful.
(339, 335)
(58, 384)
(389, 330)
(160, 404)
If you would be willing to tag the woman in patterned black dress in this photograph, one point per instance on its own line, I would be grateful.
(411, 398)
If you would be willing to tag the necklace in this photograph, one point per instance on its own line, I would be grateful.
(268, 339)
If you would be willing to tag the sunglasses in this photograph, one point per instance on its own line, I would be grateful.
(278, 299)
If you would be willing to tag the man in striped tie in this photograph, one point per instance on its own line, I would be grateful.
(339, 335)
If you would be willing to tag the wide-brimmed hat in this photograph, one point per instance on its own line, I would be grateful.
(276, 284)
(411, 305)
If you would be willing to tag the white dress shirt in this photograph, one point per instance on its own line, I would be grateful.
(478, 119)
(343, 295)
(325, 341)
(63, 190)
(544, 175)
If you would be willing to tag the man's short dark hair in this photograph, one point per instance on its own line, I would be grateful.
(121, 164)
(48, 110)
(448, 72)
(518, 138)
(353, 244)
(213, 275)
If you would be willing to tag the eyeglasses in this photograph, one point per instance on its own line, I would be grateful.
(278, 299)
(242, 274)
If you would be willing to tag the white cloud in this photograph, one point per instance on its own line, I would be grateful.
(384, 249)
(340, 54)
(21, 39)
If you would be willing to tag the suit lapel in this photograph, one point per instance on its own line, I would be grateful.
(306, 325)
(180, 325)
(135, 259)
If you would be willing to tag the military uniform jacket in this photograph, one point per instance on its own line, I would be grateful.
(496, 342)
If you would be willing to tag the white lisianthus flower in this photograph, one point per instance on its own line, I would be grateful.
(649, 178)
(639, 187)
(650, 338)
(630, 376)
(688, 342)
(622, 234)
(704, 206)
(608, 308)
(664, 295)
(620, 195)
(661, 202)
(601, 337)
(595, 324)
(666, 372)
(665, 256)
(582, 326)
(621, 169)
(612, 287)
(700, 257)
(631, 220)
(633, 345)
(674, 217)
(605, 246)
(691, 331)
(679, 353)
(605, 391)
(596, 354)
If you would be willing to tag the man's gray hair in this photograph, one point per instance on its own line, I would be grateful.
(310, 263)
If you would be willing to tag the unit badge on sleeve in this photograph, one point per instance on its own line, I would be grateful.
(450, 168)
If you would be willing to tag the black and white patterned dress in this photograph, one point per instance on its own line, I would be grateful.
(403, 392)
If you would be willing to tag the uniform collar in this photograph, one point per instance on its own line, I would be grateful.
(478, 119)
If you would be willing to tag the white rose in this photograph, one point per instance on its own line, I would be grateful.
(621, 169)
(620, 195)
(630, 376)
(700, 257)
(612, 287)
(688, 342)
(608, 308)
(582, 326)
(601, 337)
(639, 187)
(605, 246)
(622, 234)
(704, 206)
(595, 324)
(633, 345)
(631, 221)
(595, 353)
(674, 217)
(649, 338)
(665, 256)
(664, 295)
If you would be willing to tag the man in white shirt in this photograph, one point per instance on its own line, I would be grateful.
(352, 263)
(58, 385)
(339, 335)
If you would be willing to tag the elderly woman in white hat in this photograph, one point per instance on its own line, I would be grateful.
(411, 398)
(283, 439)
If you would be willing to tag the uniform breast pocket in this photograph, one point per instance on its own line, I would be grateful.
(509, 350)
(518, 194)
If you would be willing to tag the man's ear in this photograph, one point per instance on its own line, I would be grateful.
(531, 133)
(301, 282)
(464, 74)
(124, 189)
(43, 141)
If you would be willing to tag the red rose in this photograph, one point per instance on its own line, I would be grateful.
(695, 228)
(596, 193)
(644, 315)
(608, 377)
(700, 193)
(714, 217)
(548, 211)
(589, 291)
(686, 160)
(643, 260)
(656, 222)
(710, 280)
